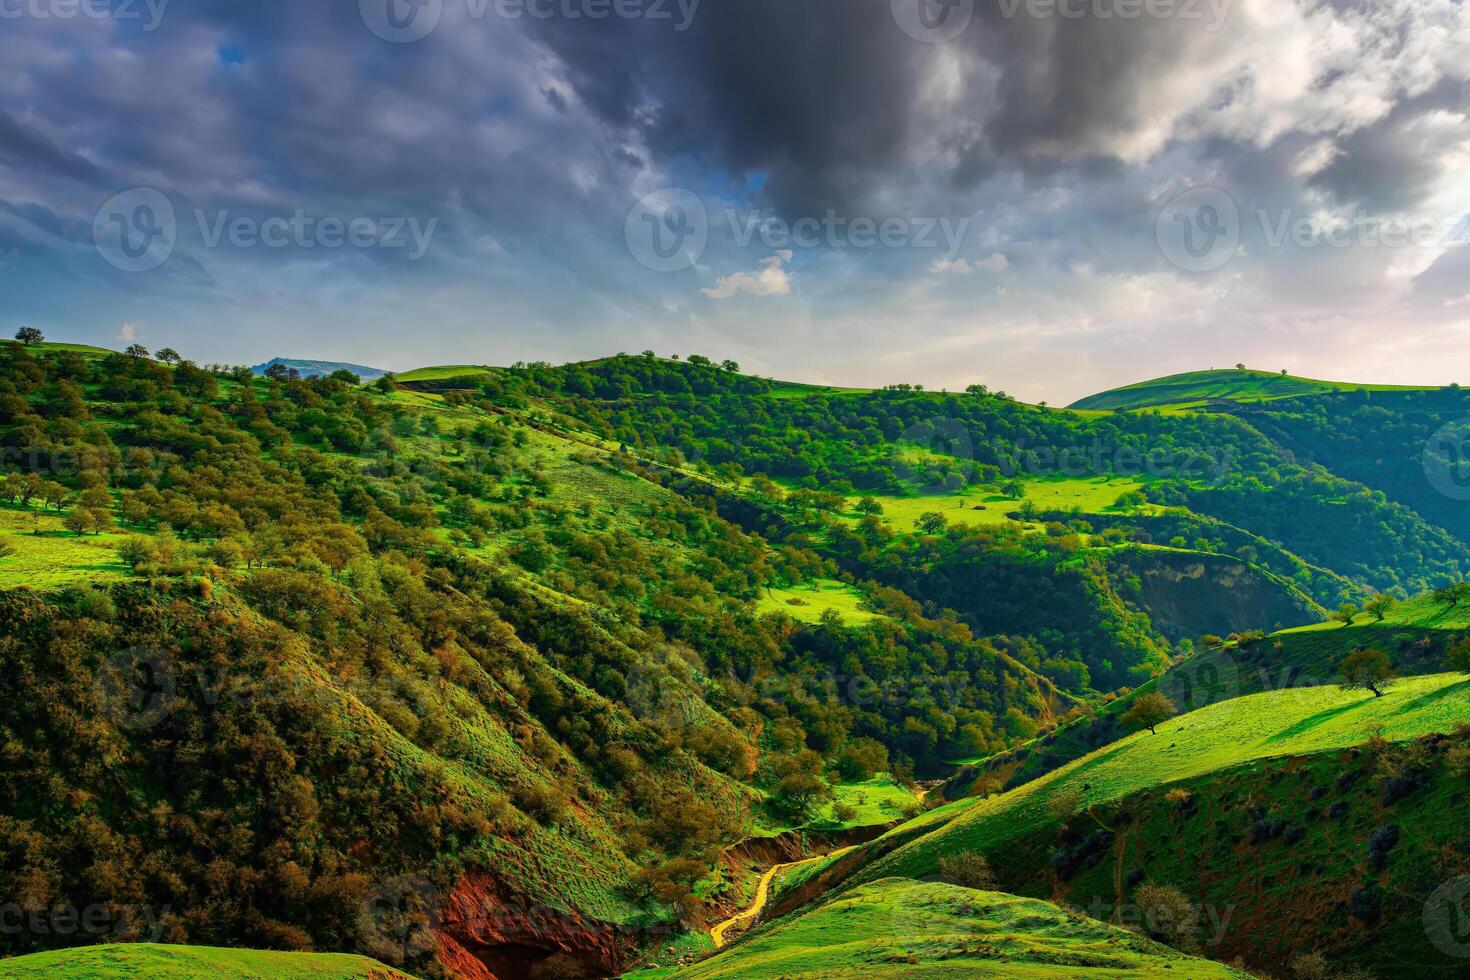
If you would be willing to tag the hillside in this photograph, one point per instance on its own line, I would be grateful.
(183, 962)
(901, 928)
(594, 645)
(1198, 389)
(1416, 634)
(317, 369)
(1237, 754)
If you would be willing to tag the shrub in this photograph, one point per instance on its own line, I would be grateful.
(1177, 797)
(1149, 711)
(1311, 966)
(969, 869)
(1168, 915)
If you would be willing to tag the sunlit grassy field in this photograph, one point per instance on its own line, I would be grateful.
(56, 556)
(978, 506)
(807, 602)
(911, 929)
(1278, 723)
(122, 962)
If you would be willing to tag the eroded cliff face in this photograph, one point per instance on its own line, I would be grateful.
(1187, 595)
(486, 934)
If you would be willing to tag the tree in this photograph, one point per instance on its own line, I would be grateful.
(1345, 614)
(1379, 606)
(1015, 490)
(869, 506)
(1240, 367)
(1366, 669)
(136, 350)
(168, 356)
(1459, 655)
(1149, 711)
(1452, 595)
(968, 869)
(729, 365)
(932, 523)
(29, 335)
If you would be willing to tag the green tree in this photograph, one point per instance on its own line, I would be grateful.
(932, 523)
(1345, 614)
(869, 506)
(1379, 606)
(1366, 669)
(1149, 711)
(1459, 655)
(29, 335)
(168, 356)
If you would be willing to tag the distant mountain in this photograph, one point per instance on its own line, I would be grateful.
(314, 369)
(1196, 388)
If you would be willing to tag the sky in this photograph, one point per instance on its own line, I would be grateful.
(1050, 197)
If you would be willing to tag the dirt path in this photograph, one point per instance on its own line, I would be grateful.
(762, 893)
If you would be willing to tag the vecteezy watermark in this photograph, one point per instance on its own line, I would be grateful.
(939, 21)
(1447, 460)
(136, 688)
(303, 230)
(138, 230)
(132, 922)
(1201, 230)
(150, 12)
(398, 920)
(669, 230)
(405, 21)
(933, 21)
(1447, 918)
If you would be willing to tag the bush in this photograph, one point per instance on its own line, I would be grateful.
(969, 869)
(1168, 915)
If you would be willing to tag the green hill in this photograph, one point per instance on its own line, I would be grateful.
(1196, 389)
(1416, 634)
(896, 927)
(191, 962)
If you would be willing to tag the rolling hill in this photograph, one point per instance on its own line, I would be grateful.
(1200, 389)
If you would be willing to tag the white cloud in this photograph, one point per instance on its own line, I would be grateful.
(131, 331)
(996, 263)
(773, 279)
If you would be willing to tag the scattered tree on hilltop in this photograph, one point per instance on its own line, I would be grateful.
(168, 356)
(29, 335)
(1366, 669)
(1379, 606)
(1150, 711)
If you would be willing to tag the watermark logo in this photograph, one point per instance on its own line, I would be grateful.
(1447, 918)
(944, 437)
(398, 920)
(668, 230)
(1199, 230)
(401, 21)
(149, 11)
(933, 21)
(1447, 460)
(136, 687)
(655, 696)
(1207, 678)
(136, 230)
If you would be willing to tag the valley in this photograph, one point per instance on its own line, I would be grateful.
(637, 665)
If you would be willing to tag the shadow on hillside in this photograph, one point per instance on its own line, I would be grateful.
(1320, 718)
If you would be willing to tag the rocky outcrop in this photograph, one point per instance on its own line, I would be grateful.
(486, 934)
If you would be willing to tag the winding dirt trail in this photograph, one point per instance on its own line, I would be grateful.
(762, 894)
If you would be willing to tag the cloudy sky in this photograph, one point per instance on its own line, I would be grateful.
(1051, 197)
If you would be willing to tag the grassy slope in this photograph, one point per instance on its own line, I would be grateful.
(469, 372)
(117, 962)
(1196, 387)
(978, 506)
(913, 929)
(807, 602)
(1413, 633)
(1274, 724)
(55, 556)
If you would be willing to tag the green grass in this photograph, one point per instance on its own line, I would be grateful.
(120, 962)
(469, 372)
(807, 602)
(877, 801)
(44, 348)
(56, 556)
(980, 506)
(1278, 723)
(921, 930)
(1195, 388)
